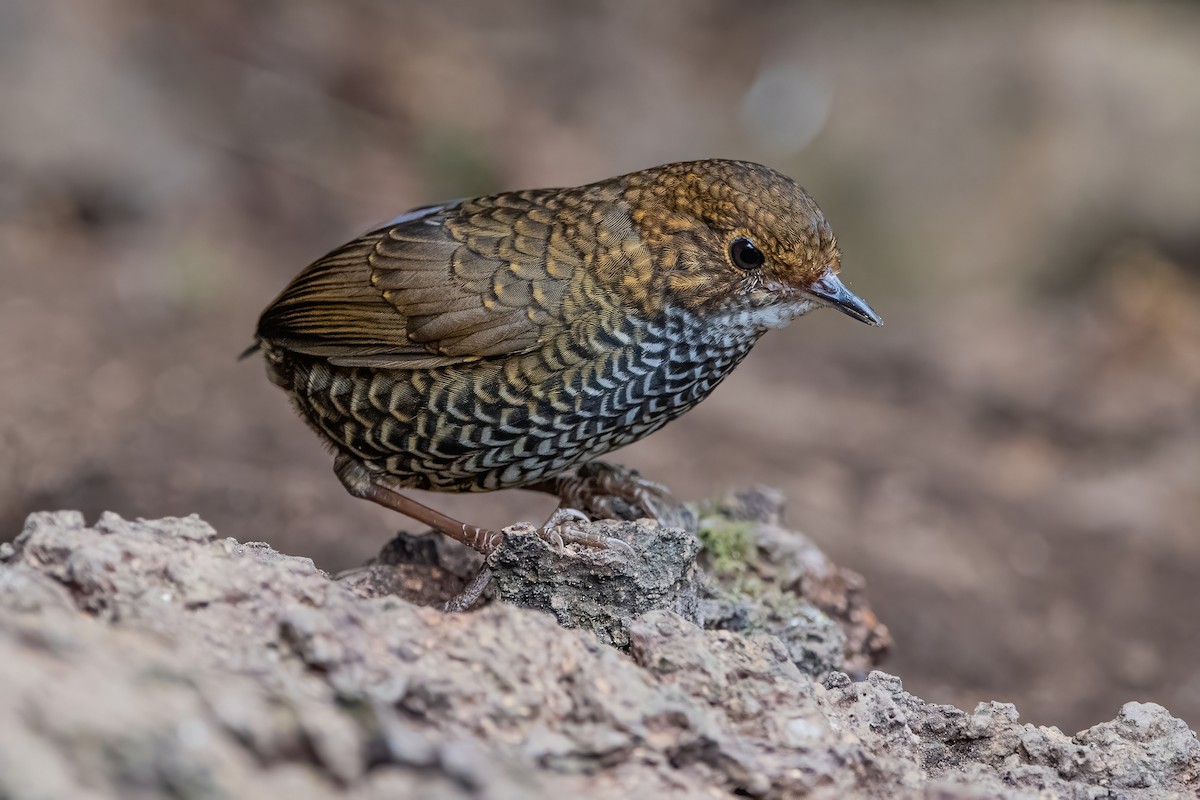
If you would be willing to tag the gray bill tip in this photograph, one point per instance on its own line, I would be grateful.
(832, 292)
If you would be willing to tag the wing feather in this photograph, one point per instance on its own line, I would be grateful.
(436, 286)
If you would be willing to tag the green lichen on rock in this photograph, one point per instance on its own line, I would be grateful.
(729, 544)
(739, 598)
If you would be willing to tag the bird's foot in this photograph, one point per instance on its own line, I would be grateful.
(609, 491)
(470, 593)
(559, 532)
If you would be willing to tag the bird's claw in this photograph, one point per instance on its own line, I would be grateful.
(559, 532)
(596, 485)
(650, 496)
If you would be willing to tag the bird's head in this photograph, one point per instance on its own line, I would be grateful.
(741, 243)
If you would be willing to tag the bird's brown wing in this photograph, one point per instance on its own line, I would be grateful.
(482, 278)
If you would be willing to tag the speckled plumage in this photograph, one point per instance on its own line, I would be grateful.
(480, 427)
(496, 342)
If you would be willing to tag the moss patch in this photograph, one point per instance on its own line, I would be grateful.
(728, 543)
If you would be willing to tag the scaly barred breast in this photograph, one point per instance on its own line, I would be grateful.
(510, 422)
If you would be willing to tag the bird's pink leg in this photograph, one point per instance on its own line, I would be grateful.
(361, 482)
(557, 530)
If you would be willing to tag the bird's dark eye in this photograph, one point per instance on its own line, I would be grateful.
(745, 255)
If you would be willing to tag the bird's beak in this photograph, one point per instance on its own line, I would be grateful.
(832, 292)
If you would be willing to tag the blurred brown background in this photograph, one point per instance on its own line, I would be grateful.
(1013, 461)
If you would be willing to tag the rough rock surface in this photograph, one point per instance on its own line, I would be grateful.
(729, 565)
(157, 659)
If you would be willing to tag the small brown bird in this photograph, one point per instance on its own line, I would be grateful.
(506, 341)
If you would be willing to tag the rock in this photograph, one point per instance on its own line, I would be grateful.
(157, 659)
(602, 590)
(731, 566)
(771, 579)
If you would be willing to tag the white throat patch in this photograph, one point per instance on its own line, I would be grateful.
(750, 321)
